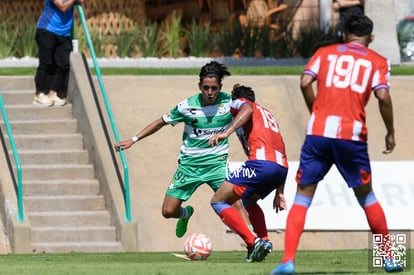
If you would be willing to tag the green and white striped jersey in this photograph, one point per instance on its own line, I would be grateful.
(201, 123)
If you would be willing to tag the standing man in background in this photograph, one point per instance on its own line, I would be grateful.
(53, 38)
(346, 74)
(345, 7)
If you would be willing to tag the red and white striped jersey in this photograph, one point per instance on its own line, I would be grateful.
(346, 75)
(260, 136)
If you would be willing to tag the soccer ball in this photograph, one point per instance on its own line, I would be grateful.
(197, 247)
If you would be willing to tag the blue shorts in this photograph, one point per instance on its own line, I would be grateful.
(257, 177)
(319, 153)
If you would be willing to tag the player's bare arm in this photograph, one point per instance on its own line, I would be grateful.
(279, 201)
(386, 110)
(244, 115)
(349, 3)
(150, 129)
(307, 90)
(338, 4)
(66, 5)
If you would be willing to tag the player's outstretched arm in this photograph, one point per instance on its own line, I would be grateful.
(244, 115)
(150, 129)
(385, 107)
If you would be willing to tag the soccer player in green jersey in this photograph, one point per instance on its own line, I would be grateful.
(204, 114)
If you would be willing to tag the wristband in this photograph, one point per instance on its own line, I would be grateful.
(135, 139)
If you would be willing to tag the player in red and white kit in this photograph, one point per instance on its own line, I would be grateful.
(346, 74)
(264, 171)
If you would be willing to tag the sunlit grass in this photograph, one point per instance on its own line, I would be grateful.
(171, 32)
(7, 38)
(226, 263)
(236, 70)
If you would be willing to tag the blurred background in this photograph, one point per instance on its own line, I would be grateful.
(210, 28)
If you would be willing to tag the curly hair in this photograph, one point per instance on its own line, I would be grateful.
(214, 69)
(358, 24)
(242, 91)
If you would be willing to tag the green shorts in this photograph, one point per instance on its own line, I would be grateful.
(188, 178)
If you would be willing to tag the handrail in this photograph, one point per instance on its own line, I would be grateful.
(108, 109)
(20, 213)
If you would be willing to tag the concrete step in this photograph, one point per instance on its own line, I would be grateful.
(23, 112)
(69, 218)
(48, 142)
(13, 83)
(61, 194)
(58, 172)
(61, 187)
(64, 203)
(43, 157)
(86, 247)
(14, 97)
(18, 97)
(18, 127)
(73, 234)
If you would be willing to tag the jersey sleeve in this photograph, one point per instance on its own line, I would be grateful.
(173, 117)
(381, 76)
(236, 106)
(313, 66)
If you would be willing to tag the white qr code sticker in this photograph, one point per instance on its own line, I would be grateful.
(391, 246)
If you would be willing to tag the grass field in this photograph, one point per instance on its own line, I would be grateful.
(226, 263)
(264, 70)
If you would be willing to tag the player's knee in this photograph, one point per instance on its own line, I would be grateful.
(168, 213)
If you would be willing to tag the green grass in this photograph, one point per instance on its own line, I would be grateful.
(264, 70)
(227, 263)
(294, 70)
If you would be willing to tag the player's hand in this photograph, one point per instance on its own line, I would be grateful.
(389, 143)
(215, 140)
(122, 145)
(279, 202)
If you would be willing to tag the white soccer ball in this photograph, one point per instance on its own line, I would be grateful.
(197, 247)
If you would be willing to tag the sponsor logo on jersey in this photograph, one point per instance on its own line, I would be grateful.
(243, 172)
(208, 132)
(222, 109)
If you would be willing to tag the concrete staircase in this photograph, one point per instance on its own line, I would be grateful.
(62, 197)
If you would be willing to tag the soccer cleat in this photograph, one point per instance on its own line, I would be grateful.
(249, 253)
(390, 265)
(286, 268)
(42, 100)
(259, 251)
(269, 246)
(182, 222)
(57, 101)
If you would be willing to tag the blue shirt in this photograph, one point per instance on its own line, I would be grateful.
(54, 20)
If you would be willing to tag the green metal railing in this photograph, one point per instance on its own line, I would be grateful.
(20, 213)
(110, 115)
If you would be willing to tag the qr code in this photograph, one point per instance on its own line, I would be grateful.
(393, 245)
